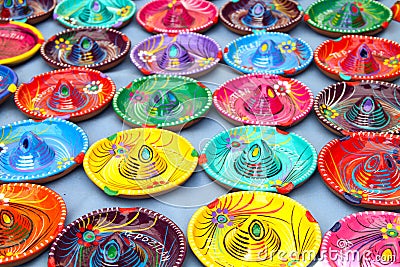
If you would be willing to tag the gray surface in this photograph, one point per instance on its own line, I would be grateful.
(82, 196)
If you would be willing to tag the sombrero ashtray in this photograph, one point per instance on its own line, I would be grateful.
(363, 169)
(94, 13)
(340, 17)
(259, 158)
(90, 47)
(263, 99)
(140, 162)
(246, 16)
(124, 237)
(188, 54)
(32, 216)
(268, 52)
(163, 101)
(173, 16)
(74, 94)
(358, 57)
(254, 229)
(40, 152)
(28, 11)
(359, 106)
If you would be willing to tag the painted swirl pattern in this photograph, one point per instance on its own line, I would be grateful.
(133, 237)
(30, 218)
(254, 229)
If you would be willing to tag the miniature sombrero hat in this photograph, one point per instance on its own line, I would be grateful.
(189, 54)
(162, 101)
(247, 16)
(342, 17)
(140, 162)
(263, 99)
(40, 151)
(363, 169)
(359, 106)
(258, 158)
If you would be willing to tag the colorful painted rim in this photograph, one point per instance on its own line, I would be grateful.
(68, 13)
(197, 54)
(37, 39)
(116, 44)
(231, 213)
(365, 155)
(280, 9)
(259, 158)
(337, 107)
(53, 133)
(245, 48)
(289, 100)
(372, 234)
(133, 224)
(375, 15)
(9, 82)
(164, 160)
(39, 13)
(334, 50)
(32, 203)
(205, 15)
(40, 97)
(193, 99)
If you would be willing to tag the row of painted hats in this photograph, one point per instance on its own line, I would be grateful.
(191, 54)
(78, 94)
(145, 161)
(275, 230)
(242, 17)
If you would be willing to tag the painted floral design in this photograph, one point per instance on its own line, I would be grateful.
(39, 110)
(206, 61)
(282, 88)
(173, 2)
(138, 97)
(359, 194)
(391, 231)
(287, 47)
(221, 218)
(328, 112)
(70, 20)
(235, 142)
(119, 150)
(146, 56)
(157, 184)
(88, 236)
(64, 162)
(62, 44)
(124, 11)
(392, 62)
(236, 59)
(4, 200)
(3, 149)
(93, 88)
(277, 183)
